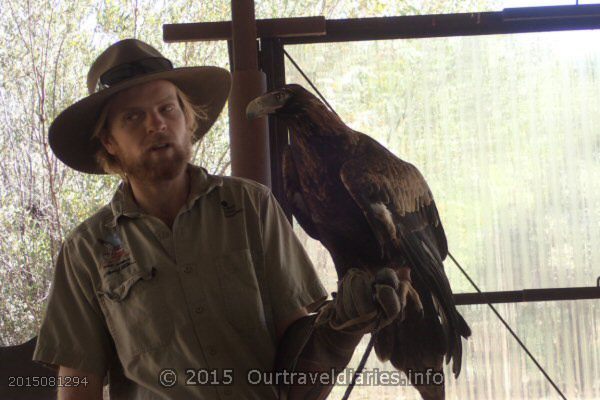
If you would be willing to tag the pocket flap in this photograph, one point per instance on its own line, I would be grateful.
(118, 291)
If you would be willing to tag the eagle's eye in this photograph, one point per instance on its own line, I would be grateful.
(278, 96)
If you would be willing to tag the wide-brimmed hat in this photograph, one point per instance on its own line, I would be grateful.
(123, 65)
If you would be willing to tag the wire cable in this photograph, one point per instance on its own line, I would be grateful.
(509, 329)
(309, 81)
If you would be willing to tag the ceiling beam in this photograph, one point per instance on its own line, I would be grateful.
(277, 27)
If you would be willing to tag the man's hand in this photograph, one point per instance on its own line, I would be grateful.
(363, 303)
(91, 391)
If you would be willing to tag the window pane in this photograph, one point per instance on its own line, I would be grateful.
(495, 367)
(505, 130)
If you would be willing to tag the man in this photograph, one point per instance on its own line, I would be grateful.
(185, 282)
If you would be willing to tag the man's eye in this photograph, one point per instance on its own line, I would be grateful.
(134, 116)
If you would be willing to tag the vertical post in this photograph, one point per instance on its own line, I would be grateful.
(249, 139)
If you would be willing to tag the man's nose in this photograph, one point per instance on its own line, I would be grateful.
(155, 122)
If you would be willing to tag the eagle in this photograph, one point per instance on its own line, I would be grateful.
(371, 210)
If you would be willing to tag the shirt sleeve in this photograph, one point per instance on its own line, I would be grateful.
(291, 276)
(73, 332)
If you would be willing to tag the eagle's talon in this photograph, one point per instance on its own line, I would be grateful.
(406, 291)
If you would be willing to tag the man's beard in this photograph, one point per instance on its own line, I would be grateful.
(152, 169)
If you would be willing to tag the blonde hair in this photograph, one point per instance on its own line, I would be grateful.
(110, 164)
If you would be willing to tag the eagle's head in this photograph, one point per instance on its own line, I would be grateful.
(287, 101)
(302, 111)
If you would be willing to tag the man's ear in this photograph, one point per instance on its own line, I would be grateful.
(108, 142)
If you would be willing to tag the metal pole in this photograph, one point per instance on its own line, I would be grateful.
(528, 295)
(273, 64)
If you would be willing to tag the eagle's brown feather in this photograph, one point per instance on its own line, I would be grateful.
(372, 210)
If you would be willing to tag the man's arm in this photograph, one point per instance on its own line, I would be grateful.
(284, 325)
(309, 348)
(325, 349)
(73, 331)
(92, 390)
(320, 343)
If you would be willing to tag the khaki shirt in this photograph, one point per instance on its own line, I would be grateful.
(129, 293)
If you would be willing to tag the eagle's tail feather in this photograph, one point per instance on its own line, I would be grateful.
(427, 266)
(415, 349)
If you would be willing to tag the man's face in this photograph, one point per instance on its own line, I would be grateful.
(148, 132)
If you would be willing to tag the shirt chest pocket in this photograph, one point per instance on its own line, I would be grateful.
(135, 310)
(240, 293)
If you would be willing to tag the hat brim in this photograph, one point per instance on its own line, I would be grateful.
(70, 134)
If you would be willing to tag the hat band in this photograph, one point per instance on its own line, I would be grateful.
(123, 72)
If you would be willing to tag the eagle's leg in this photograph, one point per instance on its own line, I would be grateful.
(407, 293)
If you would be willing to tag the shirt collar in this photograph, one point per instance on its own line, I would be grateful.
(201, 183)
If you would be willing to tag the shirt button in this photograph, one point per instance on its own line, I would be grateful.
(212, 351)
(187, 269)
(199, 310)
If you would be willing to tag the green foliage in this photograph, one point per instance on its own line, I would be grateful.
(46, 50)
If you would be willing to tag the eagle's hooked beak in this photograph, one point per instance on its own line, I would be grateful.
(268, 103)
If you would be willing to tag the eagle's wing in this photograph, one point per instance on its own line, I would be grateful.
(293, 193)
(399, 207)
(393, 194)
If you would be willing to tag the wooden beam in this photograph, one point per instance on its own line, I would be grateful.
(277, 27)
(243, 33)
(249, 140)
(318, 30)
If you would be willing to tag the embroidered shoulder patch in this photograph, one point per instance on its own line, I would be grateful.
(115, 257)
(230, 209)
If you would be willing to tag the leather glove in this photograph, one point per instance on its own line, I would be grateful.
(363, 303)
